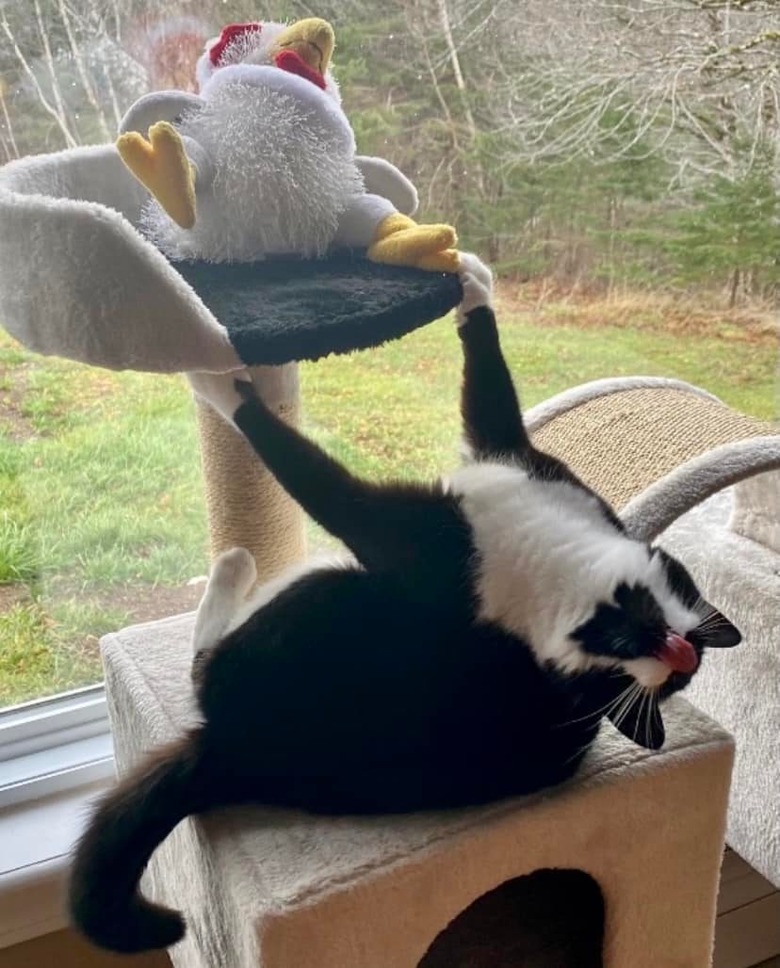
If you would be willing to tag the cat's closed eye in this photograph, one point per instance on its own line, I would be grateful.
(631, 626)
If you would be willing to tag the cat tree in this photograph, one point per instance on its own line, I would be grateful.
(277, 888)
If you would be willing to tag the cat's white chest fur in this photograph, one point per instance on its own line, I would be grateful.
(547, 557)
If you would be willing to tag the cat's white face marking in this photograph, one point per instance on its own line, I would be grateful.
(648, 672)
(547, 557)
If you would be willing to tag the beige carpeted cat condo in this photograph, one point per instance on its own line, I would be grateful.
(284, 890)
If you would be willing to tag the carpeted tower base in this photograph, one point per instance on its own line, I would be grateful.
(279, 889)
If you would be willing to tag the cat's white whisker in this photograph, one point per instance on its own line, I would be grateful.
(627, 705)
(714, 621)
(576, 753)
(648, 702)
(601, 711)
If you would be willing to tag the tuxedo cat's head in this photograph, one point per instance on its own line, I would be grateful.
(654, 624)
(649, 638)
(556, 568)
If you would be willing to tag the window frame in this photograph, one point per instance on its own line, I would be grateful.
(51, 745)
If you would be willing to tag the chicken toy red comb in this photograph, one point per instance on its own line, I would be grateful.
(229, 34)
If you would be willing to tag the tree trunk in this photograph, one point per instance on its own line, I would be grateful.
(734, 289)
(81, 68)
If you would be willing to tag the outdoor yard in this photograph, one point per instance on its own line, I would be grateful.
(101, 512)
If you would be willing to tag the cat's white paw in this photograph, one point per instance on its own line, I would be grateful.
(477, 282)
(231, 579)
(218, 390)
(234, 570)
(474, 266)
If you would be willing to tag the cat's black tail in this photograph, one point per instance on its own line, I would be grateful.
(129, 823)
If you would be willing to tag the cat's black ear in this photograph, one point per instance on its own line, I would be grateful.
(641, 723)
(716, 632)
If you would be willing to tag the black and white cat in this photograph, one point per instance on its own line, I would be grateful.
(465, 651)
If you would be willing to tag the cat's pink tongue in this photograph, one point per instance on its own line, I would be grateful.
(678, 653)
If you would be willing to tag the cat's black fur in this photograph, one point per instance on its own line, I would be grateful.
(374, 686)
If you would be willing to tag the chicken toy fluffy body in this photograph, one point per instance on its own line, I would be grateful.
(263, 160)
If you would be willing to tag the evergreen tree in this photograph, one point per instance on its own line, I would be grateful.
(732, 230)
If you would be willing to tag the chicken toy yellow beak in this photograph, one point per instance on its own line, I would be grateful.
(312, 39)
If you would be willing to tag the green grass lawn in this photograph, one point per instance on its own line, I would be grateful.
(101, 509)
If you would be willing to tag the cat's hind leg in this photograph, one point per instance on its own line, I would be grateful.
(232, 576)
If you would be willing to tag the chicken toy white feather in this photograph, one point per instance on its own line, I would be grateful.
(264, 161)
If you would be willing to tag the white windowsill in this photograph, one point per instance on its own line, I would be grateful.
(36, 839)
(56, 755)
(30, 778)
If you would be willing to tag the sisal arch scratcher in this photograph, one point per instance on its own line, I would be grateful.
(653, 447)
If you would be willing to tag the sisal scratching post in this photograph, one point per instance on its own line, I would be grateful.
(246, 506)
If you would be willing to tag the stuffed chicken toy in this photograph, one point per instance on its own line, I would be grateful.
(263, 161)
(232, 228)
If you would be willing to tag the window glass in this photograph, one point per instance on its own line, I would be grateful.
(616, 162)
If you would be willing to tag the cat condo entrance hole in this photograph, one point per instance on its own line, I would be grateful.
(547, 919)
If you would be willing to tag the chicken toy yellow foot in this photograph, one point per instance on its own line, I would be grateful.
(400, 241)
(263, 161)
(162, 166)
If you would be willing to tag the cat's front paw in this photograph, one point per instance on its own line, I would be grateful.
(222, 391)
(477, 282)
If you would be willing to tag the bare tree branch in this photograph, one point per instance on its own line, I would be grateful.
(56, 110)
(81, 68)
(48, 58)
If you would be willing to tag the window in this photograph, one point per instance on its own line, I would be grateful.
(49, 745)
(614, 161)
